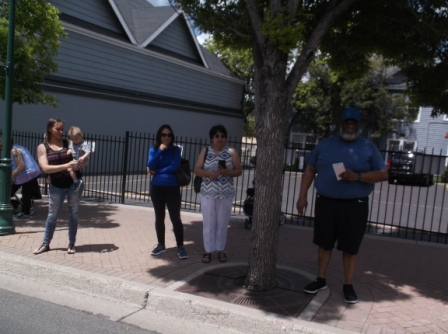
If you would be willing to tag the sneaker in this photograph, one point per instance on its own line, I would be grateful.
(182, 252)
(21, 216)
(349, 294)
(76, 185)
(160, 248)
(316, 285)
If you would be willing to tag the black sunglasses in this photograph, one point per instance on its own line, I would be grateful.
(219, 136)
(166, 135)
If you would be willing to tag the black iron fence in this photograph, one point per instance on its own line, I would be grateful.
(412, 205)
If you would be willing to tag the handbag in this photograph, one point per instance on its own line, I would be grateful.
(198, 179)
(184, 173)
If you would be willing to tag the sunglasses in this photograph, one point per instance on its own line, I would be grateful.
(219, 136)
(169, 135)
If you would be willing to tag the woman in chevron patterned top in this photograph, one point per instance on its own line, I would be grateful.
(217, 168)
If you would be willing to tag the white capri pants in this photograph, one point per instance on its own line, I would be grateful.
(216, 216)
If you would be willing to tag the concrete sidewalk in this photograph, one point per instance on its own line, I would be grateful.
(401, 284)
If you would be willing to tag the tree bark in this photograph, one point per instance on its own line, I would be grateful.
(273, 90)
(271, 101)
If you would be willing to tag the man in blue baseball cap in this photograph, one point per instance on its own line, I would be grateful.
(351, 113)
(344, 169)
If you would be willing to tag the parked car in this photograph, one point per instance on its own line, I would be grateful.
(407, 168)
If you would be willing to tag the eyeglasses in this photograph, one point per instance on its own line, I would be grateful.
(169, 135)
(219, 136)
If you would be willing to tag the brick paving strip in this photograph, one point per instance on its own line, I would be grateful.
(401, 284)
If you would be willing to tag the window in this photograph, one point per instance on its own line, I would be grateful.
(401, 145)
(303, 141)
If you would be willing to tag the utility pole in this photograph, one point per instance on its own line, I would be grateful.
(6, 222)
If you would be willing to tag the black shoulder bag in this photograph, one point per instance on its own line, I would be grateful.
(198, 179)
(184, 173)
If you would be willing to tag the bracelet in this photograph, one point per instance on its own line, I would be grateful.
(359, 176)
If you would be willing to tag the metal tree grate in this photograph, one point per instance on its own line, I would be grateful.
(224, 284)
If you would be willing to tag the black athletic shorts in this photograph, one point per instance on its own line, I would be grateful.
(341, 220)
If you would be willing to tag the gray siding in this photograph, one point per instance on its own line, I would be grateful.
(97, 12)
(95, 61)
(106, 117)
(176, 38)
(429, 132)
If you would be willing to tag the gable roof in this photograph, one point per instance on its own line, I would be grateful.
(143, 22)
(149, 23)
(215, 64)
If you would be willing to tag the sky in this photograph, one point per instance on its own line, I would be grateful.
(200, 36)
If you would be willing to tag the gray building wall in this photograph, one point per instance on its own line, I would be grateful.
(97, 12)
(111, 117)
(107, 86)
(177, 39)
(113, 63)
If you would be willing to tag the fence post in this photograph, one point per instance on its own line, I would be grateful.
(125, 167)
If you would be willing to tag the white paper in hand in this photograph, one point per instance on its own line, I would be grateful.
(338, 169)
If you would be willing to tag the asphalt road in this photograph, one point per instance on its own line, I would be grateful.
(416, 207)
(22, 314)
(36, 300)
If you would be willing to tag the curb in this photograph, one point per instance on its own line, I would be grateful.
(166, 301)
(93, 284)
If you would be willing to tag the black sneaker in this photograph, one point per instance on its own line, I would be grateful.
(160, 248)
(316, 285)
(182, 253)
(350, 294)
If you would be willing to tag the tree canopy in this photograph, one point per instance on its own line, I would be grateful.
(38, 31)
(319, 101)
(241, 63)
(411, 34)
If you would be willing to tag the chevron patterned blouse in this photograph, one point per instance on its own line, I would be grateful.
(222, 187)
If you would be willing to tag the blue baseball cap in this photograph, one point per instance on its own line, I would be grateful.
(351, 113)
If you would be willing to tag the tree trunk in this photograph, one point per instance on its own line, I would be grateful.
(271, 101)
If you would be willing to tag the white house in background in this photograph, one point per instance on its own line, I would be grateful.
(426, 134)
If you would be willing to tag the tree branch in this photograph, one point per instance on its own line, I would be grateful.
(334, 10)
(256, 20)
(275, 6)
(293, 5)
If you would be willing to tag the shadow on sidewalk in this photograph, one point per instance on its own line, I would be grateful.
(236, 249)
(93, 248)
(388, 271)
(95, 216)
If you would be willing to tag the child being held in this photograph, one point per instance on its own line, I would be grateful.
(80, 151)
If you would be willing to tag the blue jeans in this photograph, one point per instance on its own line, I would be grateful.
(56, 199)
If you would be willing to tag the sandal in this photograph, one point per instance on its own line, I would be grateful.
(71, 249)
(43, 248)
(222, 257)
(207, 257)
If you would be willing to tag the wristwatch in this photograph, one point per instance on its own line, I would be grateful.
(359, 176)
